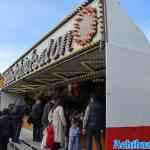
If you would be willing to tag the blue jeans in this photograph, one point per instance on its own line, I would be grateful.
(89, 138)
(74, 143)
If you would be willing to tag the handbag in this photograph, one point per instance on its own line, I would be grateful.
(49, 136)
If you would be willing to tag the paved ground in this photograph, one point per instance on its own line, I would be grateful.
(28, 144)
(26, 135)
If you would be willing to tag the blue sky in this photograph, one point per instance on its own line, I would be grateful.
(23, 22)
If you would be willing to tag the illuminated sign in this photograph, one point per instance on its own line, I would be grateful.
(85, 25)
(73, 35)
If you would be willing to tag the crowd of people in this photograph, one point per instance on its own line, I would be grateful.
(68, 124)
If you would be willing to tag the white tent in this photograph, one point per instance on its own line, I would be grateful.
(127, 77)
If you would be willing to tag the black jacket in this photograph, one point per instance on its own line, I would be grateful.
(96, 118)
(7, 127)
(36, 115)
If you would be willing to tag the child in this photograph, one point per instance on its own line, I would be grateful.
(74, 135)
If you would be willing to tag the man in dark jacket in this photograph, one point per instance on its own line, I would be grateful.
(94, 119)
(36, 115)
(6, 129)
(18, 112)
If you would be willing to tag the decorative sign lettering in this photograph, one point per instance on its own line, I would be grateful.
(82, 29)
(56, 49)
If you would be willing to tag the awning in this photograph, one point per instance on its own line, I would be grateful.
(89, 64)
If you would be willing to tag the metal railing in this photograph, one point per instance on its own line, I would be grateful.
(14, 146)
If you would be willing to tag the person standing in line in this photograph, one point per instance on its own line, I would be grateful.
(57, 118)
(74, 135)
(94, 119)
(36, 115)
(47, 109)
(7, 129)
(18, 111)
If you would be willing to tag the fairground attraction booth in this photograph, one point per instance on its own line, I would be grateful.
(97, 43)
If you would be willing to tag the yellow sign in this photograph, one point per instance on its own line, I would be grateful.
(1, 81)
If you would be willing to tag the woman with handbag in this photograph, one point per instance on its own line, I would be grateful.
(57, 118)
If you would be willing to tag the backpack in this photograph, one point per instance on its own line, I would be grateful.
(96, 118)
(48, 138)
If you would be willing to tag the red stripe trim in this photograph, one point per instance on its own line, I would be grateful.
(124, 133)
